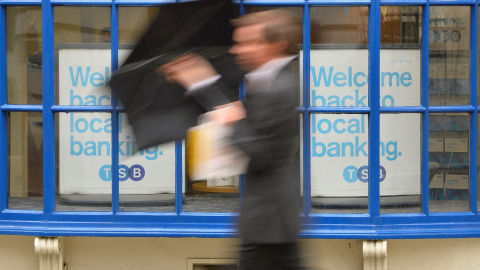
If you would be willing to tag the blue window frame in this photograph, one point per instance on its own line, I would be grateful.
(370, 225)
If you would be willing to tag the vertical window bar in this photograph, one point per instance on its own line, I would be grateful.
(424, 103)
(374, 102)
(307, 200)
(3, 116)
(473, 102)
(178, 177)
(48, 65)
(115, 118)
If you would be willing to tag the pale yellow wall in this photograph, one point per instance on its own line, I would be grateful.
(435, 254)
(17, 252)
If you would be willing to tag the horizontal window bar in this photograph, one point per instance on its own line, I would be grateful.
(336, 109)
(81, 2)
(340, 3)
(25, 108)
(21, 3)
(403, 109)
(144, 2)
(274, 3)
(82, 108)
(402, 3)
(451, 2)
(451, 109)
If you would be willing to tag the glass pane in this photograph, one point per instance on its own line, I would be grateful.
(24, 55)
(25, 156)
(147, 176)
(84, 161)
(400, 162)
(82, 42)
(478, 162)
(400, 56)
(449, 66)
(448, 162)
(339, 160)
(339, 72)
(132, 22)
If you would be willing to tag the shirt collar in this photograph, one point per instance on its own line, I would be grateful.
(268, 71)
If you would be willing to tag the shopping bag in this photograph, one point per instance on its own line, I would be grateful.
(210, 152)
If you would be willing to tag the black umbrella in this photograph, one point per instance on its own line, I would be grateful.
(159, 111)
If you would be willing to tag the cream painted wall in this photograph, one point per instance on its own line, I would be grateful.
(435, 254)
(18, 253)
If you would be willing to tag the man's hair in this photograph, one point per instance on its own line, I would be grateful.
(280, 25)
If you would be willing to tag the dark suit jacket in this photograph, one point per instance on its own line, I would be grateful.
(269, 135)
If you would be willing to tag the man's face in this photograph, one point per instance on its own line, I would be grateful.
(251, 47)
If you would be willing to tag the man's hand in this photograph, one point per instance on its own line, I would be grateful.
(229, 114)
(187, 70)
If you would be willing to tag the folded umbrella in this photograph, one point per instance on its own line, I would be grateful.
(159, 111)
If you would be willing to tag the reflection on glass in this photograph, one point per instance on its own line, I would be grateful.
(339, 73)
(339, 163)
(478, 162)
(400, 56)
(448, 162)
(400, 24)
(132, 21)
(84, 150)
(449, 66)
(24, 55)
(339, 25)
(400, 163)
(82, 40)
(25, 156)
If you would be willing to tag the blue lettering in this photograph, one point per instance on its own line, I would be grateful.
(339, 76)
(96, 76)
(83, 76)
(321, 73)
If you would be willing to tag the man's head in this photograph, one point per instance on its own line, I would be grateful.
(263, 36)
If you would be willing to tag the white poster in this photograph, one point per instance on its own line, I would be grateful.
(339, 142)
(85, 138)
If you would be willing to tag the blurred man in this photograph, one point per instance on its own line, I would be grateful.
(265, 127)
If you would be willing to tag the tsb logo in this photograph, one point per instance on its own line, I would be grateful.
(351, 174)
(135, 172)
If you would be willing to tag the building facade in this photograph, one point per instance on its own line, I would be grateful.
(387, 154)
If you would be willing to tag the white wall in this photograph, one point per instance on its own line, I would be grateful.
(18, 253)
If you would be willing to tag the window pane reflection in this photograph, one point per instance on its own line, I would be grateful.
(25, 156)
(448, 162)
(24, 55)
(449, 65)
(400, 56)
(82, 40)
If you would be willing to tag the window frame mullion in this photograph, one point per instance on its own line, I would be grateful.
(374, 115)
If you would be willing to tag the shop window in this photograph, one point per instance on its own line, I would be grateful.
(24, 62)
(25, 158)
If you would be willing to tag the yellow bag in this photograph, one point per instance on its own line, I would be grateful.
(210, 152)
(199, 148)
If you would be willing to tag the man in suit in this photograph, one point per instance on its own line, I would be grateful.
(265, 126)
